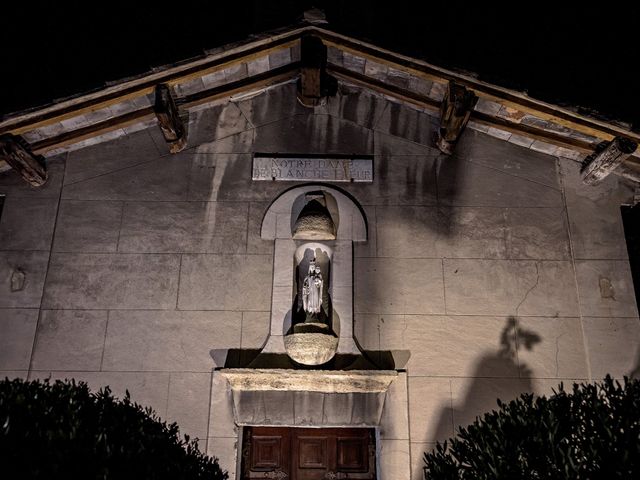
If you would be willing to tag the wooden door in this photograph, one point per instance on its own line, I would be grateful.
(308, 453)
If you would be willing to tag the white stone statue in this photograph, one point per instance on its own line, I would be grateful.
(312, 289)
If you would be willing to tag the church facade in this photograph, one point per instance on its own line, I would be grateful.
(317, 256)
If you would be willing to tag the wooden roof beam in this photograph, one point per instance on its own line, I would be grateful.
(607, 157)
(17, 153)
(315, 83)
(455, 110)
(169, 120)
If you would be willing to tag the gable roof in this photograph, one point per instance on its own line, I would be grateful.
(273, 58)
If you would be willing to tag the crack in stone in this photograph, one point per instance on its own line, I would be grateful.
(530, 290)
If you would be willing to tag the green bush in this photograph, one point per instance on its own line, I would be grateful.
(592, 432)
(63, 430)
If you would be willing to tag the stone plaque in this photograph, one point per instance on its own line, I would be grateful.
(301, 168)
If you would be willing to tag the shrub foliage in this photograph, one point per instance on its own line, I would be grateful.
(63, 430)
(591, 432)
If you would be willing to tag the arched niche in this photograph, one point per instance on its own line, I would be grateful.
(279, 225)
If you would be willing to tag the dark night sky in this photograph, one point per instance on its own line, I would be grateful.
(584, 56)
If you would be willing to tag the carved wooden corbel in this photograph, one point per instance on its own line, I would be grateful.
(168, 118)
(607, 157)
(455, 110)
(17, 153)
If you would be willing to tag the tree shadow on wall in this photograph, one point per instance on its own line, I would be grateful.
(481, 395)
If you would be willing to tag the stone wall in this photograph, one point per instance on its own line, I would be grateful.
(495, 267)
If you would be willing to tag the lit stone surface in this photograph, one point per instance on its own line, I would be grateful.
(398, 286)
(22, 278)
(606, 288)
(28, 223)
(146, 388)
(200, 287)
(111, 281)
(90, 227)
(168, 341)
(18, 327)
(612, 345)
(188, 403)
(467, 269)
(70, 340)
(190, 227)
(510, 287)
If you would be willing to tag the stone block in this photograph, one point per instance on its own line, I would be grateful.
(189, 227)
(161, 179)
(465, 346)
(420, 85)
(404, 286)
(399, 78)
(613, 346)
(498, 133)
(368, 248)
(418, 450)
(280, 58)
(394, 459)
(463, 181)
(139, 340)
(352, 62)
(264, 407)
(22, 277)
(606, 288)
(255, 329)
(225, 450)
(13, 185)
(544, 147)
(537, 233)
(431, 232)
(387, 145)
(308, 408)
(322, 134)
(510, 287)
(594, 214)
(13, 374)
(86, 226)
(27, 223)
(201, 288)
(18, 327)
(473, 397)
(430, 415)
(375, 70)
(109, 157)
(255, 244)
(147, 389)
(559, 351)
(402, 180)
(214, 79)
(520, 140)
(281, 310)
(214, 123)
(188, 403)
(221, 415)
(219, 177)
(272, 105)
(94, 281)
(258, 66)
(189, 87)
(356, 105)
(407, 123)
(70, 340)
(394, 424)
(235, 72)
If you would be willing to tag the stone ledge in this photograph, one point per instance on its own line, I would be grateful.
(325, 381)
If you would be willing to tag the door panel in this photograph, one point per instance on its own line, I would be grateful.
(308, 453)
